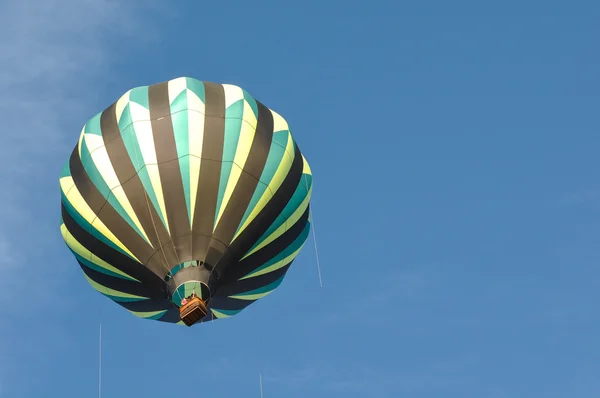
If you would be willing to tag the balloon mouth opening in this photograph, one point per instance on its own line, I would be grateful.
(188, 280)
(192, 311)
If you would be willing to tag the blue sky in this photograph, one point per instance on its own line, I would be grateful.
(456, 202)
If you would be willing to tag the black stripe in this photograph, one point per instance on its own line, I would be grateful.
(210, 171)
(215, 252)
(146, 305)
(266, 217)
(92, 196)
(171, 316)
(121, 285)
(169, 170)
(154, 303)
(265, 254)
(134, 190)
(111, 256)
(246, 185)
(105, 212)
(229, 304)
(247, 285)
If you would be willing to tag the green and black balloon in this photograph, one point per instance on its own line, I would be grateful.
(185, 186)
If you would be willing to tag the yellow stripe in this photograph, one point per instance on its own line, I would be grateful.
(276, 266)
(252, 296)
(147, 315)
(80, 141)
(95, 144)
(280, 175)
(234, 176)
(219, 314)
(145, 140)
(121, 104)
(176, 87)
(279, 123)
(88, 255)
(111, 292)
(194, 175)
(196, 111)
(74, 197)
(306, 169)
(233, 94)
(241, 155)
(284, 227)
(157, 186)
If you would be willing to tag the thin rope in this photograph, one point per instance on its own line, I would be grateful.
(100, 365)
(316, 250)
(261, 387)
(312, 221)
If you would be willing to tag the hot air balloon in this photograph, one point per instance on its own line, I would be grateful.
(185, 201)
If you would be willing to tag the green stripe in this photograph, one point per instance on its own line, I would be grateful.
(145, 178)
(176, 269)
(233, 126)
(156, 316)
(93, 125)
(179, 104)
(263, 289)
(66, 170)
(180, 121)
(274, 159)
(197, 87)
(123, 299)
(252, 102)
(139, 95)
(126, 120)
(82, 222)
(100, 269)
(92, 171)
(97, 179)
(281, 138)
(227, 313)
(133, 149)
(295, 245)
(295, 202)
(184, 165)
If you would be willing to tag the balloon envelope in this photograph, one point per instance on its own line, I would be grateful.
(185, 187)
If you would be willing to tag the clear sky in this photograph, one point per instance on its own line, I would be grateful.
(454, 147)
